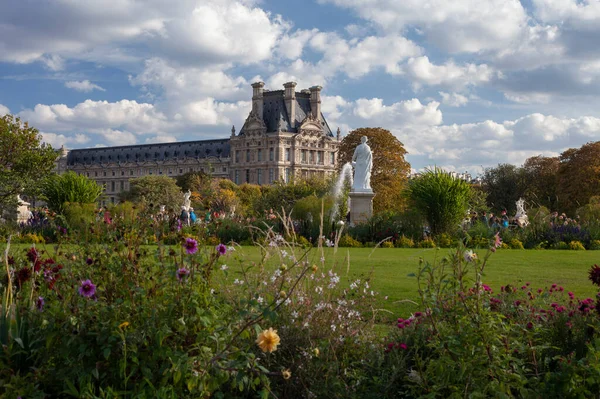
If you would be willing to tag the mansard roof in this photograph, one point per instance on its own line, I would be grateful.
(150, 152)
(275, 115)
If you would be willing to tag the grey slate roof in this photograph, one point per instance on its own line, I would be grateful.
(276, 117)
(150, 152)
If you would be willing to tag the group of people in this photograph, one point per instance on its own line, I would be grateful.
(493, 221)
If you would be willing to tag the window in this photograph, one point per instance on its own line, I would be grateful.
(104, 173)
(160, 171)
(288, 175)
(259, 177)
(180, 171)
(271, 175)
(287, 155)
(170, 171)
(303, 156)
(333, 158)
(122, 185)
(87, 174)
(112, 200)
(237, 177)
(259, 155)
(237, 156)
(224, 169)
(247, 155)
(112, 186)
(320, 157)
(131, 172)
(95, 174)
(247, 175)
(149, 171)
(271, 154)
(312, 157)
(212, 170)
(122, 173)
(113, 173)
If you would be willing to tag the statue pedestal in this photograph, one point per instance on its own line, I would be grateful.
(361, 206)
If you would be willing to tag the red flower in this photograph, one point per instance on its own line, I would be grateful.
(595, 275)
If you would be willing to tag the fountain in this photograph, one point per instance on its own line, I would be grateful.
(345, 175)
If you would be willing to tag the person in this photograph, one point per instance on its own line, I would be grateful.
(362, 160)
(193, 216)
(484, 218)
(185, 216)
(504, 219)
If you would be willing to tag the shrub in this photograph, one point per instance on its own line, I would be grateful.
(426, 243)
(387, 244)
(347, 241)
(445, 240)
(594, 245)
(478, 242)
(441, 198)
(560, 245)
(515, 244)
(405, 242)
(576, 246)
(69, 188)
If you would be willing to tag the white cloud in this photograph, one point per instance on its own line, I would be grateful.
(453, 99)
(4, 110)
(58, 140)
(84, 86)
(422, 72)
(455, 26)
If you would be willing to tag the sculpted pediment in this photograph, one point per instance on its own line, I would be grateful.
(254, 122)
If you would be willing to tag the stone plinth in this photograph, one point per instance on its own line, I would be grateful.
(361, 206)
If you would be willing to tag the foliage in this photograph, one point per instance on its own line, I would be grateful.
(578, 176)
(154, 191)
(426, 243)
(404, 242)
(58, 190)
(441, 198)
(515, 244)
(24, 161)
(478, 199)
(541, 176)
(576, 246)
(390, 171)
(349, 242)
(504, 185)
(471, 342)
(281, 197)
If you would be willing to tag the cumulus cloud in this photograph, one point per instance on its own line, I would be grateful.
(453, 99)
(4, 110)
(467, 26)
(58, 140)
(422, 72)
(84, 86)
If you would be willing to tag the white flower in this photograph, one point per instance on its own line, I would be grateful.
(231, 248)
(319, 290)
(284, 253)
(238, 282)
(224, 267)
(333, 327)
(295, 314)
(470, 256)
(260, 299)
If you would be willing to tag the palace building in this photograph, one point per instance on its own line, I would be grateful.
(284, 136)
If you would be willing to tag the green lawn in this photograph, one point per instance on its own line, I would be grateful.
(391, 267)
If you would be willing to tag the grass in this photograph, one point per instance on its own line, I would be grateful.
(391, 268)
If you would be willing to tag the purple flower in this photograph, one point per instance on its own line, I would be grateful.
(39, 304)
(179, 225)
(89, 260)
(87, 288)
(191, 246)
(221, 249)
(182, 273)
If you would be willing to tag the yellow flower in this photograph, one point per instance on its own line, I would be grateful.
(123, 325)
(316, 352)
(286, 374)
(268, 340)
(314, 268)
(282, 294)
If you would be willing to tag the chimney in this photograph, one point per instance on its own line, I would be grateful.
(339, 134)
(315, 101)
(257, 98)
(290, 102)
(233, 131)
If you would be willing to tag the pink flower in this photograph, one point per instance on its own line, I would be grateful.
(191, 246)
(182, 273)
(87, 288)
(221, 249)
(497, 240)
(403, 346)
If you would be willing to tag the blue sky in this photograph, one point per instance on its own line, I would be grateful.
(464, 85)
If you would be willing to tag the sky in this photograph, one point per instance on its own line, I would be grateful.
(464, 85)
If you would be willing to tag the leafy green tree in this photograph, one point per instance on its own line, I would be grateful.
(442, 199)
(282, 195)
(390, 172)
(504, 185)
(24, 161)
(578, 177)
(154, 190)
(59, 190)
(541, 181)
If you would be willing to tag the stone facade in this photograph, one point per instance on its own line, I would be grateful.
(284, 136)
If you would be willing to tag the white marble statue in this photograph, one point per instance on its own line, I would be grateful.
(521, 216)
(362, 161)
(187, 203)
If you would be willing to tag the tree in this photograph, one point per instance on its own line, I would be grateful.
(59, 190)
(155, 191)
(504, 185)
(578, 177)
(390, 171)
(441, 198)
(24, 161)
(541, 181)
